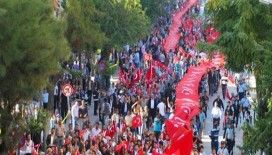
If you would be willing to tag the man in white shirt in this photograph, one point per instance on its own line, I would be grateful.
(75, 114)
(162, 108)
(216, 114)
(96, 130)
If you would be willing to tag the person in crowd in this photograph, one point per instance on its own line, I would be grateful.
(60, 133)
(245, 105)
(157, 125)
(201, 150)
(219, 102)
(128, 119)
(248, 117)
(204, 100)
(64, 106)
(216, 114)
(214, 151)
(118, 105)
(230, 109)
(218, 78)
(28, 147)
(223, 150)
(56, 97)
(83, 112)
(230, 138)
(224, 83)
(237, 109)
(214, 134)
(106, 111)
(211, 82)
(45, 97)
(96, 130)
(75, 114)
(202, 119)
(162, 108)
(96, 100)
(152, 106)
(241, 89)
(51, 138)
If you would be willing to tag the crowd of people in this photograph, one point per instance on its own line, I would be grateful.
(231, 110)
(131, 113)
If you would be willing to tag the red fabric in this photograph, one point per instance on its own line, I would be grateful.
(120, 146)
(173, 125)
(184, 145)
(137, 77)
(122, 76)
(141, 151)
(111, 131)
(173, 38)
(161, 65)
(136, 121)
(171, 151)
(231, 78)
(150, 73)
(212, 35)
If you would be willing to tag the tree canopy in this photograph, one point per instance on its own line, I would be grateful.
(244, 26)
(83, 31)
(32, 44)
(123, 21)
(155, 8)
(246, 39)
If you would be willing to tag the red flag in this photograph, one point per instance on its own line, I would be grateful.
(119, 147)
(136, 121)
(150, 73)
(141, 151)
(187, 143)
(111, 131)
(122, 76)
(184, 144)
(137, 77)
(163, 66)
(174, 127)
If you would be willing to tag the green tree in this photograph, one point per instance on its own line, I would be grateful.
(83, 31)
(123, 21)
(32, 45)
(155, 8)
(246, 38)
(244, 26)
